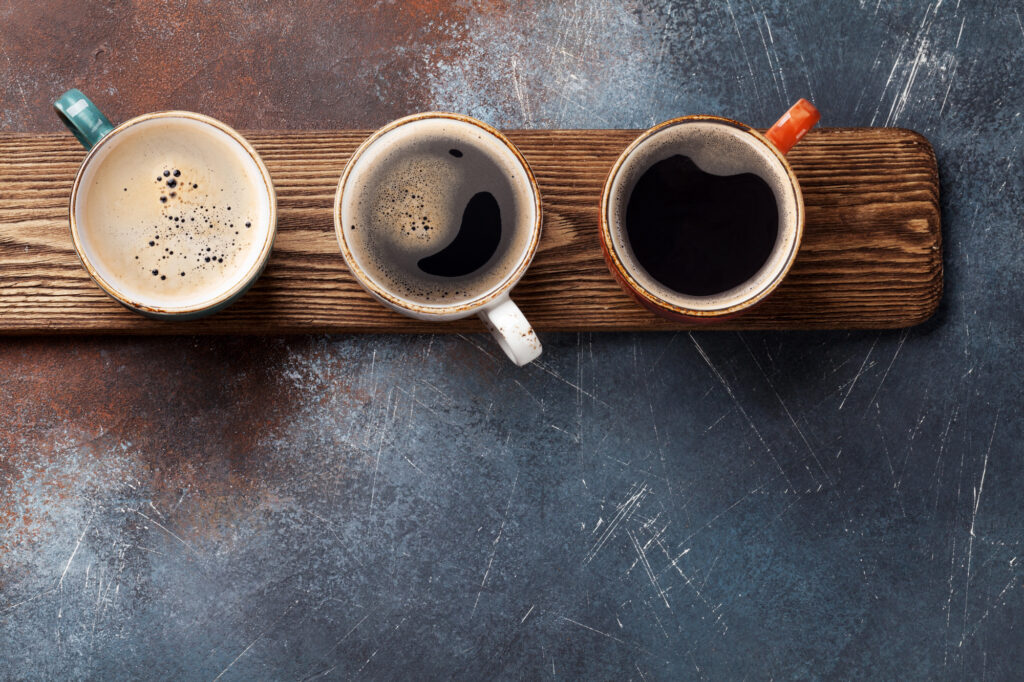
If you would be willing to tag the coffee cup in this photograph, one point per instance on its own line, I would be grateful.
(702, 216)
(438, 216)
(173, 213)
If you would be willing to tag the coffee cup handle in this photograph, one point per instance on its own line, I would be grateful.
(82, 117)
(793, 125)
(511, 330)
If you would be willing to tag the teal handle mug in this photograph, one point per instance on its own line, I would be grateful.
(173, 213)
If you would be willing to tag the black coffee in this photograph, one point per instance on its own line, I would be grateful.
(476, 241)
(700, 234)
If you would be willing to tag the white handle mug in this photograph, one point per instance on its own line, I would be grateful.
(398, 203)
(511, 330)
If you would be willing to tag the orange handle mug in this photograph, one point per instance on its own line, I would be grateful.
(702, 216)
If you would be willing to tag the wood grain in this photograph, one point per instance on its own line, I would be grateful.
(871, 255)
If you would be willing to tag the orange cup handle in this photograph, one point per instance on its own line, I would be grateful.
(793, 125)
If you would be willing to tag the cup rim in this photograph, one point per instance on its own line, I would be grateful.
(633, 284)
(438, 311)
(229, 294)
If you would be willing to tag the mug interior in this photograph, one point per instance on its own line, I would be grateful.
(439, 131)
(124, 156)
(719, 147)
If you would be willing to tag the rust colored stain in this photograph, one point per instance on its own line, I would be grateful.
(332, 65)
(160, 416)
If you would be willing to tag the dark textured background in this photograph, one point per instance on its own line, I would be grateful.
(647, 506)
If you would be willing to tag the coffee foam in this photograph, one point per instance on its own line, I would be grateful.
(173, 212)
(404, 200)
(719, 149)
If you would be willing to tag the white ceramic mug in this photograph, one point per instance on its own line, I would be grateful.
(491, 303)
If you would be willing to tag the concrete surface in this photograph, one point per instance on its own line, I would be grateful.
(645, 506)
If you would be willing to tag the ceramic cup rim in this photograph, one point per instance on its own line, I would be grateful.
(438, 311)
(653, 299)
(235, 289)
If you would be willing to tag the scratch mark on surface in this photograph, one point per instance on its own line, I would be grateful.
(603, 634)
(343, 638)
(527, 615)
(258, 638)
(859, 372)
(910, 443)
(767, 54)
(888, 80)
(899, 347)
(373, 376)
(380, 448)
(974, 517)
(565, 381)
(943, 439)
(717, 421)
(414, 399)
(367, 661)
(60, 583)
(624, 512)
(25, 601)
(728, 389)
(997, 602)
(713, 608)
(517, 85)
(647, 568)
(568, 383)
(168, 531)
(899, 103)
(494, 546)
(574, 437)
(952, 79)
(17, 81)
(807, 76)
(785, 409)
(892, 469)
(717, 516)
(411, 463)
(477, 346)
(532, 396)
(949, 600)
(743, 47)
(565, 98)
(707, 573)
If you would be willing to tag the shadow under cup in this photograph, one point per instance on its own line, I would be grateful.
(719, 147)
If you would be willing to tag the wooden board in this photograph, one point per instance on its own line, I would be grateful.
(871, 255)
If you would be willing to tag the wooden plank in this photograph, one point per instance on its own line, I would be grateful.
(871, 255)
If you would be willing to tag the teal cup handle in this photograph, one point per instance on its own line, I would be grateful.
(82, 117)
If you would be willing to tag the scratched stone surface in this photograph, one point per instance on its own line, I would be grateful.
(645, 506)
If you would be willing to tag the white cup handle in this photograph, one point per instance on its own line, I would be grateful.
(511, 330)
